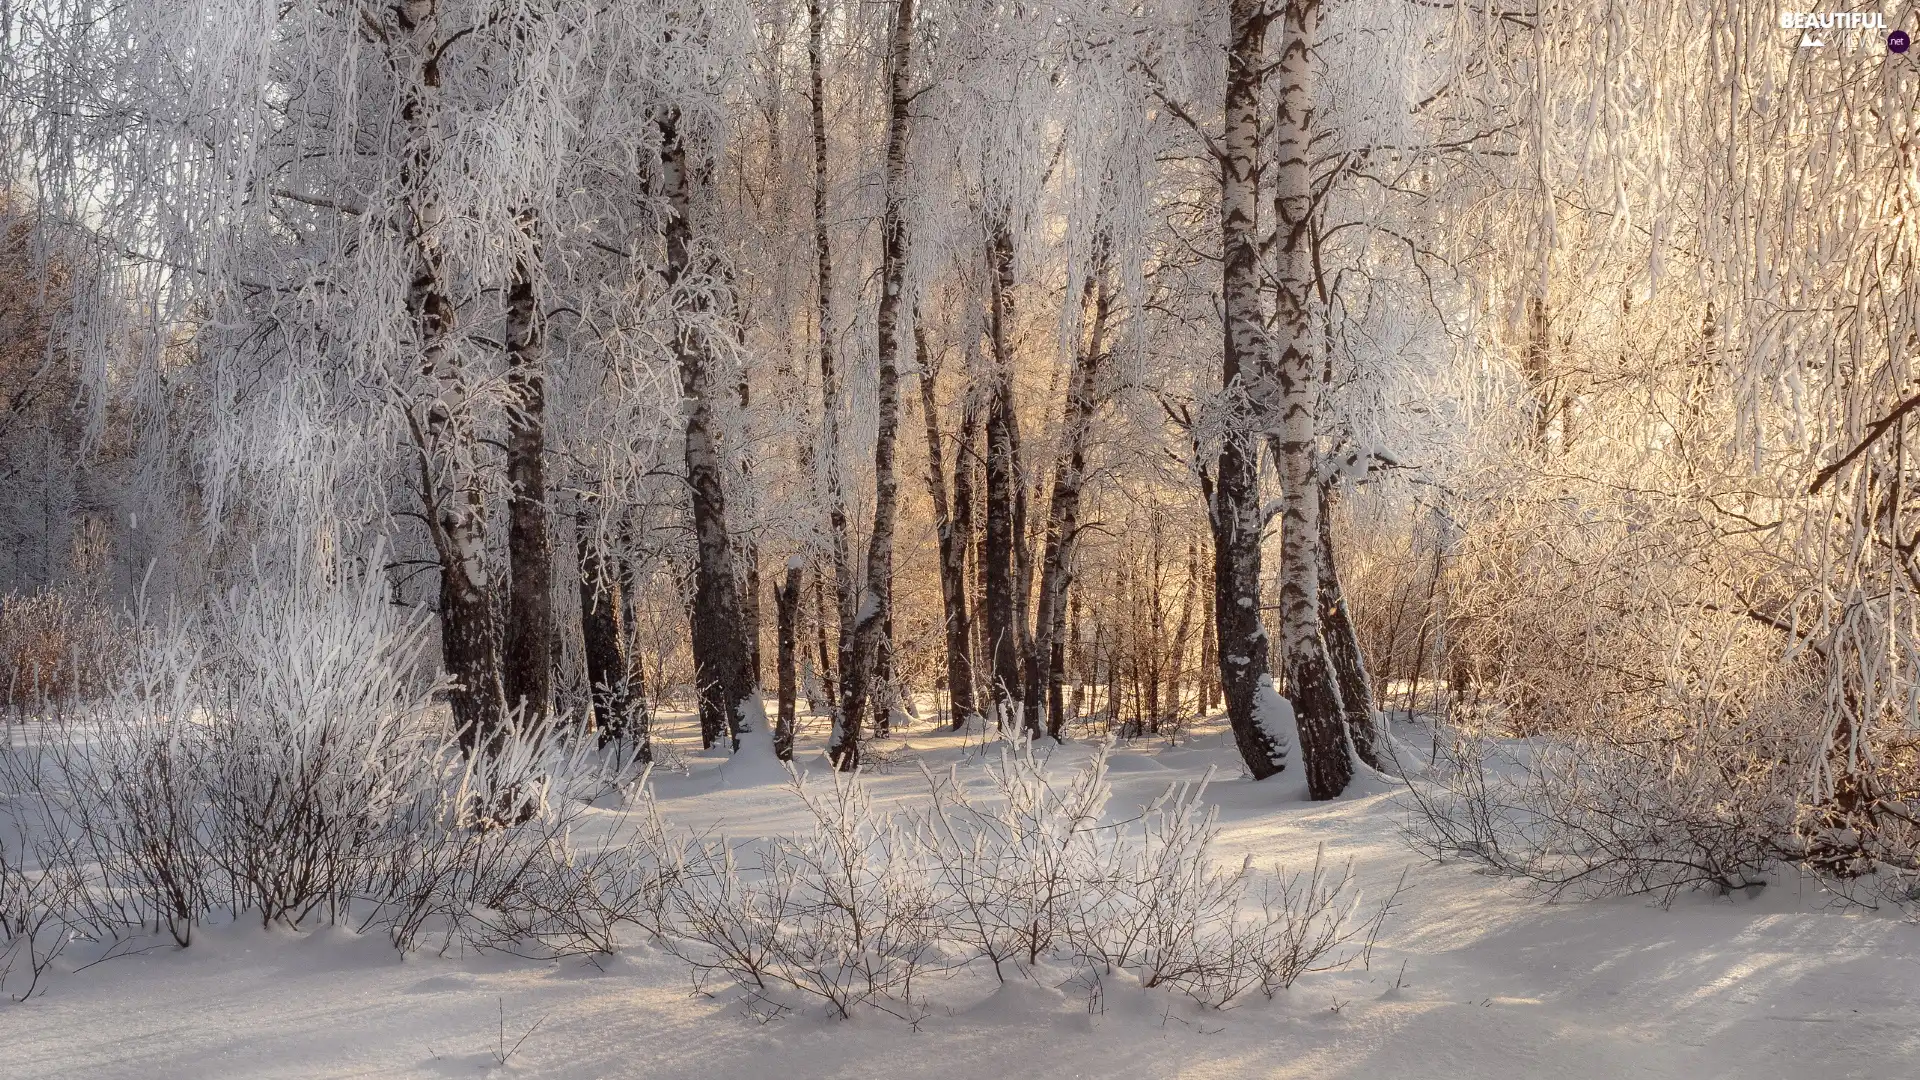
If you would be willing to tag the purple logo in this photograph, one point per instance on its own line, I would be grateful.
(1898, 41)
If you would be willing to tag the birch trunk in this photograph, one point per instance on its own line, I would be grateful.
(1234, 509)
(450, 492)
(861, 664)
(719, 638)
(998, 556)
(1343, 649)
(527, 676)
(953, 551)
(786, 601)
(748, 553)
(831, 481)
(1063, 514)
(829, 689)
(966, 467)
(1310, 678)
(605, 644)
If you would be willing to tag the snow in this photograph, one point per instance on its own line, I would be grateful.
(1275, 716)
(755, 762)
(1471, 979)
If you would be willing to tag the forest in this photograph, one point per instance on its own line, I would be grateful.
(974, 517)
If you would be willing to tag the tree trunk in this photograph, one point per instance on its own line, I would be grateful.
(719, 638)
(1234, 511)
(1003, 615)
(787, 604)
(606, 646)
(1310, 678)
(1063, 512)
(966, 467)
(859, 666)
(1536, 369)
(1031, 719)
(748, 554)
(839, 543)
(953, 551)
(527, 676)
(829, 691)
(1343, 649)
(1209, 657)
(1076, 654)
(883, 692)
(1182, 634)
(451, 495)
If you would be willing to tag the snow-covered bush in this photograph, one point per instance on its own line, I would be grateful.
(1015, 868)
(847, 912)
(1592, 814)
(865, 907)
(280, 756)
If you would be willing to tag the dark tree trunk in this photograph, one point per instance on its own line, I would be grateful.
(605, 640)
(527, 674)
(1209, 657)
(470, 649)
(1234, 511)
(828, 688)
(953, 550)
(1343, 649)
(787, 604)
(719, 633)
(1031, 719)
(749, 557)
(1182, 634)
(882, 688)
(966, 468)
(1005, 612)
(1076, 655)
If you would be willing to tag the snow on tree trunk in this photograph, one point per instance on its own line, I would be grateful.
(1234, 509)
(1311, 688)
(721, 675)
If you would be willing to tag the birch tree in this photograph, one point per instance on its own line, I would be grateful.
(870, 627)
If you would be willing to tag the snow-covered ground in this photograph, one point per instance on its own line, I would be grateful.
(1471, 979)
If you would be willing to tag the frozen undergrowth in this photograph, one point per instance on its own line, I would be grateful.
(281, 761)
(1470, 978)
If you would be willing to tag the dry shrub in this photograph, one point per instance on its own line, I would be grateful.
(56, 649)
(1649, 696)
(865, 906)
(279, 756)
